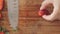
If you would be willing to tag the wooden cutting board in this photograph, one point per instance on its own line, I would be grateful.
(29, 20)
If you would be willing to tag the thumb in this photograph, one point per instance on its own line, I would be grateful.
(44, 4)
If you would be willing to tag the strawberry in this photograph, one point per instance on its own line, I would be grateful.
(43, 12)
(0, 16)
(1, 32)
(1, 4)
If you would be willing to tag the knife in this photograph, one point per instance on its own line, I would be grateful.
(13, 11)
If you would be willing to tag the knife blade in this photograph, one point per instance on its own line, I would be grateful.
(13, 11)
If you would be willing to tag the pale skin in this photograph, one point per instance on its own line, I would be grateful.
(56, 11)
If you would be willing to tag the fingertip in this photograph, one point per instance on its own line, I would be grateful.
(41, 8)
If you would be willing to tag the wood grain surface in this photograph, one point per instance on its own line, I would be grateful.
(29, 20)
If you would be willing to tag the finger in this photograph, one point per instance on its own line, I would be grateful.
(54, 14)
(49, 17)
(44, 4)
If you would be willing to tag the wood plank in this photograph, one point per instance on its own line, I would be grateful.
(29, 20)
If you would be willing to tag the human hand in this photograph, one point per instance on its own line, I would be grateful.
(56, 10)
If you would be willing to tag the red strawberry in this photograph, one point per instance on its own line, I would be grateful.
(1, 32)
(1, 4)
(43, 12)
